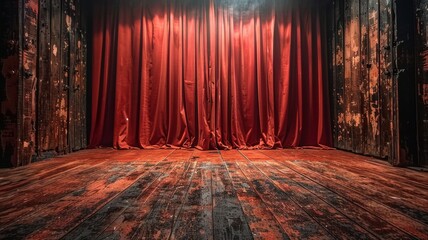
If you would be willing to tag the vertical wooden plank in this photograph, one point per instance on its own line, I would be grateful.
(28, 85)
(373, 131)
(405, 104)
(72, 101)
(332, 28)
(364, 80)
(65, 77)
(80, 90)
(422, 78)
(340, 72)
(355, 81)
(55, 142)
(83, 73)
(78, 127)
(347, 135)
(44, 91)
(386, 70)
(9, 73)
(84, 89)
(77, 85)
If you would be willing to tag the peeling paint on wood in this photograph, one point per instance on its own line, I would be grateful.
(385, 80)
(361, 65)
(363, 83)
(40, 75)
(339, 67)
(27, 90)
(373, 111)
(62, 119)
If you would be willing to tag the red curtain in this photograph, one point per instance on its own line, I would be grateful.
(210, 74)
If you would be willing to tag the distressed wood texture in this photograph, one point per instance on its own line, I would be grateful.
(9, 75)
(362, 76)
(404, 83)
(19, 70)
(43, 80)
(422, 78)
(339, 75)
(62, 84)
(387, 110)
(191, 194)
(27, 86)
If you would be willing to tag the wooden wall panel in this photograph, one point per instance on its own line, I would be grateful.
(27, 86)
(386, 88)
(56, 78)
(339, 71)
(19, 61)
(64, 107)
(44, 129)
(347, 134)
(49, 84)
(9, 74)
(356, 79)
(373, 111)
(364, 80)
(62, 120)
(78, 85)
(422, 78)
(43, 78)
(404, 83)
(361, 67)
(73, 105)
(77, 80)
(83, 90)
(381, 86)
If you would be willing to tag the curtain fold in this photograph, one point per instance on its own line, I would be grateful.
(210, 74)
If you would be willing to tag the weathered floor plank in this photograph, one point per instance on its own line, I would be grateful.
(375, 206)
(139, 194)
(325, 215)
(262, 221)
(229, 220)
(191, 194)
(372, 223)
(143, 214)
(91, 190)
(395, 193)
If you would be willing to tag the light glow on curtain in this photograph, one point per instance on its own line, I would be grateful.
(208, 74)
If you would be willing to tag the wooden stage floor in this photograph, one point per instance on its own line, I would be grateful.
(191, 194)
